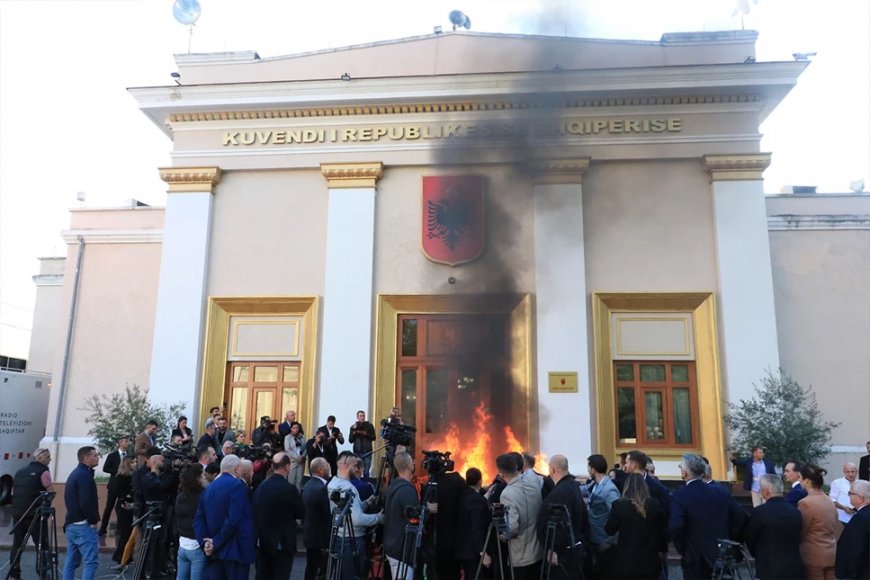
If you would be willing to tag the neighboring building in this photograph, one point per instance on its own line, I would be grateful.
(602, 201)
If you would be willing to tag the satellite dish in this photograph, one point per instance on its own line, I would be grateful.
(186, 11)
(459, 18)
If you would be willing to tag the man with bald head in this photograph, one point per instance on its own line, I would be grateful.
(565, 561)
(276, 507)
(853, 559)
(840, 489)
(316, 525)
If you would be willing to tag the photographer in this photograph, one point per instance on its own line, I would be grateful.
(362, 436)
(158, 490)
(523, 499)
(442, 497)
(29, 482)
(567, 559)
(401, 495)
(315, 447)
(352, 567)
(265, 433)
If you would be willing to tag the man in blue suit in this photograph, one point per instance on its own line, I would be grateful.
(753, 469)
(224, 526)
(792, 474)
(700, 515)
(636, 462)
(853, 560)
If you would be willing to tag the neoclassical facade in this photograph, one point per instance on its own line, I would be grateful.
(554, 243)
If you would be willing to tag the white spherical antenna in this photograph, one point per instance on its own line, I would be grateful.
(186, 11)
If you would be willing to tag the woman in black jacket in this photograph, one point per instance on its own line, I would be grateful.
(182, 430)
(123, 488)
(643, 532)
(191, 559)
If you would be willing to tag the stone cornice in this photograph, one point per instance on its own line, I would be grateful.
(48, 280)
(737, 167)
(411, 108)
(125, 236)
(790, 222)
(352, 175)
(190, 179)
(553, 171)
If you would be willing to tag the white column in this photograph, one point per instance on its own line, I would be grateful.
(747, 317)
(560, 286)
(348, 303)
(176, 357)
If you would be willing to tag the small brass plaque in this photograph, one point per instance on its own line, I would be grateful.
(563, 382)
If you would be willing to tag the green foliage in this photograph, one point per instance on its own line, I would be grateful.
(784, 419)
(127, 413)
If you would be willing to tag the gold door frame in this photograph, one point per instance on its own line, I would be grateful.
(518, 308)
(702, 305)
(217, 330)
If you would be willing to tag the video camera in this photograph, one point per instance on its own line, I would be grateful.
(340, 498)
(177, 457)
(729, 552)
(435, 462)
(256, 452)
(397, 433)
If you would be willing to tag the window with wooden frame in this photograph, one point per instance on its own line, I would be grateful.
(656, 403)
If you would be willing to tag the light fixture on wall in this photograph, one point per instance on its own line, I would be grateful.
(345, 77)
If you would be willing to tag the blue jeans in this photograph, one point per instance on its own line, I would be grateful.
(82, 543)
(191, 564)
(367, 466)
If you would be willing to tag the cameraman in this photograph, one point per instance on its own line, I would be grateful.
(442, 498)
(523, 498)
(158, 490)
(334, 438)
(401, 495)
(362, 436)
(265, 433)
(352, 566)
(566, 497)
(30, 481)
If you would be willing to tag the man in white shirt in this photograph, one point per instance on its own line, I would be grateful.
(840, 492)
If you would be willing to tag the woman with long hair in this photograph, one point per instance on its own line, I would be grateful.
(191, 558)
(184, 431)
(643, 531)
(821, 527)
(123, 488)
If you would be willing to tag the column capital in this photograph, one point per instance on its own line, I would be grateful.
(352, 175)
(738, 167)
(554, 171)
(190, 179)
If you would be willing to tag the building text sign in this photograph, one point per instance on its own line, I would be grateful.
(445, 131)
(563, 382)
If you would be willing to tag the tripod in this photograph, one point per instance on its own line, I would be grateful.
(153, 521)
(500, 525)
(386, 470)
(413, 539)
(558, 519)
(727, 565)
(341, 520)
(46, 537)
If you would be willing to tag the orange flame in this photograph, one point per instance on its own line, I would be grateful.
(510, 440)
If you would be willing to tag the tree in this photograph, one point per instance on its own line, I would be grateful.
(127, 413)
(784, 419)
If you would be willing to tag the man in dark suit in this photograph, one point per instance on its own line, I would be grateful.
(636, 462)
(276, 507)
(864, 465)
(773, 535)
(316, 525)
(333, 438)
(110, 466)
(700, 515)
(853, 559)
(223, 524)
(567, 561)
(209, 439)
(792, 474)
(753, 468)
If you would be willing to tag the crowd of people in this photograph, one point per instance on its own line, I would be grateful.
(227, 506)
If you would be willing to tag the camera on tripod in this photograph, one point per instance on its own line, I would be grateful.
(176, 457)
(435, 462)
(397, 433)
(340, 497)
(46, 497)
(154, 510)
(497, 511)
(729, 551)
(257, 452)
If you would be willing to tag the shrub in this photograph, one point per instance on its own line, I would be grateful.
(784, 419)
(127, 413)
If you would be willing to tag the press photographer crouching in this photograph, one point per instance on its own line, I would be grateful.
(349, 535)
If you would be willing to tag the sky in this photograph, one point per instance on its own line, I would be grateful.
(68, 125)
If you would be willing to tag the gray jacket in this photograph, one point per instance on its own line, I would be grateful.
(600, 499)
(523, 498)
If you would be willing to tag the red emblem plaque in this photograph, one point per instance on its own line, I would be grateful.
(454, 224)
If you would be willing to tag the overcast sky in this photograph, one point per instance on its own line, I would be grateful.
(67, 123)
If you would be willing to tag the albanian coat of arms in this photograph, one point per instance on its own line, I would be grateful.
(454, 224)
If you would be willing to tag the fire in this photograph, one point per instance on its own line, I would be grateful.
(477, 448)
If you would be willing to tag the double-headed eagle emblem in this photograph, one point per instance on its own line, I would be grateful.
(450, 217)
